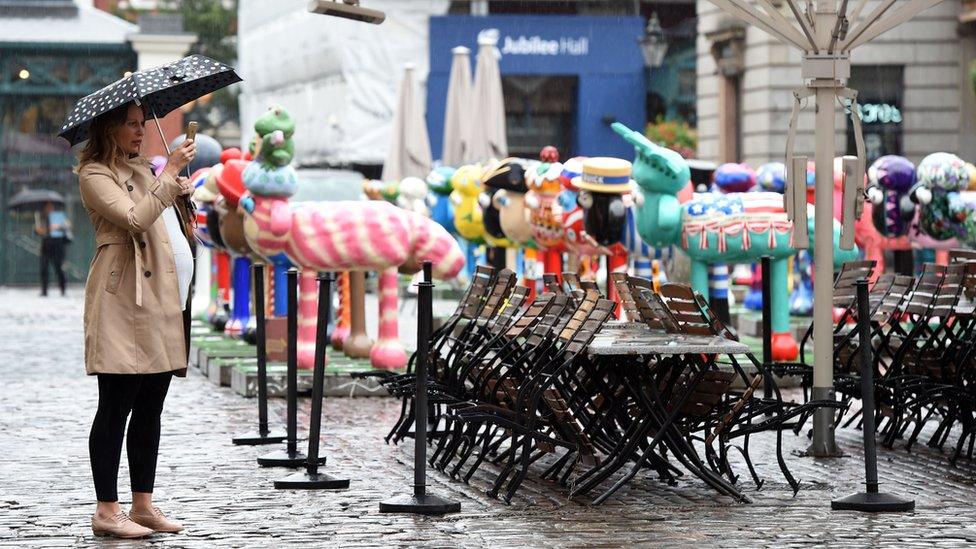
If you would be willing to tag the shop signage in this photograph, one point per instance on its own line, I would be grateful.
(880, 113)
(537, 45)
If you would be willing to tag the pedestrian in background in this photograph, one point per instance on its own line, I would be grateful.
(136, 309)
(54, 228)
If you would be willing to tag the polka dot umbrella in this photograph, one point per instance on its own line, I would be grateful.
(162, 90)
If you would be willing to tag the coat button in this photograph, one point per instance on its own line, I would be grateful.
(142, 243)
(129, 187)
(148, 274)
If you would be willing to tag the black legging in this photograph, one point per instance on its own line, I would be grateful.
(118, 394)
(52, 254)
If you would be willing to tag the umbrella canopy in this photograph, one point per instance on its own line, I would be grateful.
(459, 115)
(489, 140)
(409, 153)
(161, 89)
(34, 199)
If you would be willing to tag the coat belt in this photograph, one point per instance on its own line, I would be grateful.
(116, 238)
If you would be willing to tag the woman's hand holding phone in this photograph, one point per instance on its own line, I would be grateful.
(181, 156)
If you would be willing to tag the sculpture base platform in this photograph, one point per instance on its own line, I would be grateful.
(219, 370)
(228, 349)
(338, 379)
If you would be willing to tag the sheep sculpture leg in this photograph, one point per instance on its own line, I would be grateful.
(388, 352)
(307, 318)
(784, 342)
(358, 344)
(341, 331)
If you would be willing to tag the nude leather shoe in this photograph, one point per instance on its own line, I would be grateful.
(118, 525)
(157, 521)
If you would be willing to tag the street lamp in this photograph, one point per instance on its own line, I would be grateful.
(653, 44)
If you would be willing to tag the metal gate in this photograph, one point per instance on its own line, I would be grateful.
(39, 83)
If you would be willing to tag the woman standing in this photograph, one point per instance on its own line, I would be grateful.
(135, 303)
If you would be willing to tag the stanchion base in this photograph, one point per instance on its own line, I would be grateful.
(306, 481)
(256, 439)
(873, 502)
(283, 459)
(420, 505)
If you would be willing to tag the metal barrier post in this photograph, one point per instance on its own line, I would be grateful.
(264, 435)
(421, 502)
(311, 478)
(291, 457)
(871, 500)
(767, 321)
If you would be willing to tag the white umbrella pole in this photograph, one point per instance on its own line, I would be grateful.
(823, 322)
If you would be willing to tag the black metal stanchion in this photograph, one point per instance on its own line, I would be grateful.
(767, 321)
(871, 500)
(420, 502)
(264, 435)
(290, 457)
(312, 479)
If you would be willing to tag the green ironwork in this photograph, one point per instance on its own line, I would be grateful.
(39, 84)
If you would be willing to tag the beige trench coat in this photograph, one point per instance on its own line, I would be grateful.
(134, 322)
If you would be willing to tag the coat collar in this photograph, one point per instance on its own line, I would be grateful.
(128, 167)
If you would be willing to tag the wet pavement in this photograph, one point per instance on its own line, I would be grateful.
(225, 500)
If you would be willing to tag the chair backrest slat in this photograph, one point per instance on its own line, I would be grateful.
(621, 282)
(471, 303)
(683, 304)
(504, 283)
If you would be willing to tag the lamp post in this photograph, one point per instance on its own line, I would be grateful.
(653, 44)
(825, 31)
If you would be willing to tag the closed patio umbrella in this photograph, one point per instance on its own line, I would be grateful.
(460, 111)
(409, 154)
(489, 141)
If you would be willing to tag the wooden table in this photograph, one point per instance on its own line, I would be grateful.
(617, 342)
(629, 341)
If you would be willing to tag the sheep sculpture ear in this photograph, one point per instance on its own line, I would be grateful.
(280, 218)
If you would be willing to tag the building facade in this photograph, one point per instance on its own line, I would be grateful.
(568, 67)
(52, 53)
(913, 84)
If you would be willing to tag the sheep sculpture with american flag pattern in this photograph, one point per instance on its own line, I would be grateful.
(731, 228)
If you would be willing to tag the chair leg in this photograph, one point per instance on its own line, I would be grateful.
(450, 450)
(406, 417)
(507, 469)
(744, 450)
(487, 442)
(794, 484)
(526, 460)
(471, 444)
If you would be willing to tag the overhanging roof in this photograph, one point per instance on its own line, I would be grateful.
(60, 21)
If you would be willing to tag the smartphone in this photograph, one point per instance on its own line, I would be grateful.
(191, 131)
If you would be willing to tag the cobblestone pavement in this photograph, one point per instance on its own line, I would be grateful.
(225, 500)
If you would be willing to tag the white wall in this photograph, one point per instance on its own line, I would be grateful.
(927, 46)
(338, 78)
